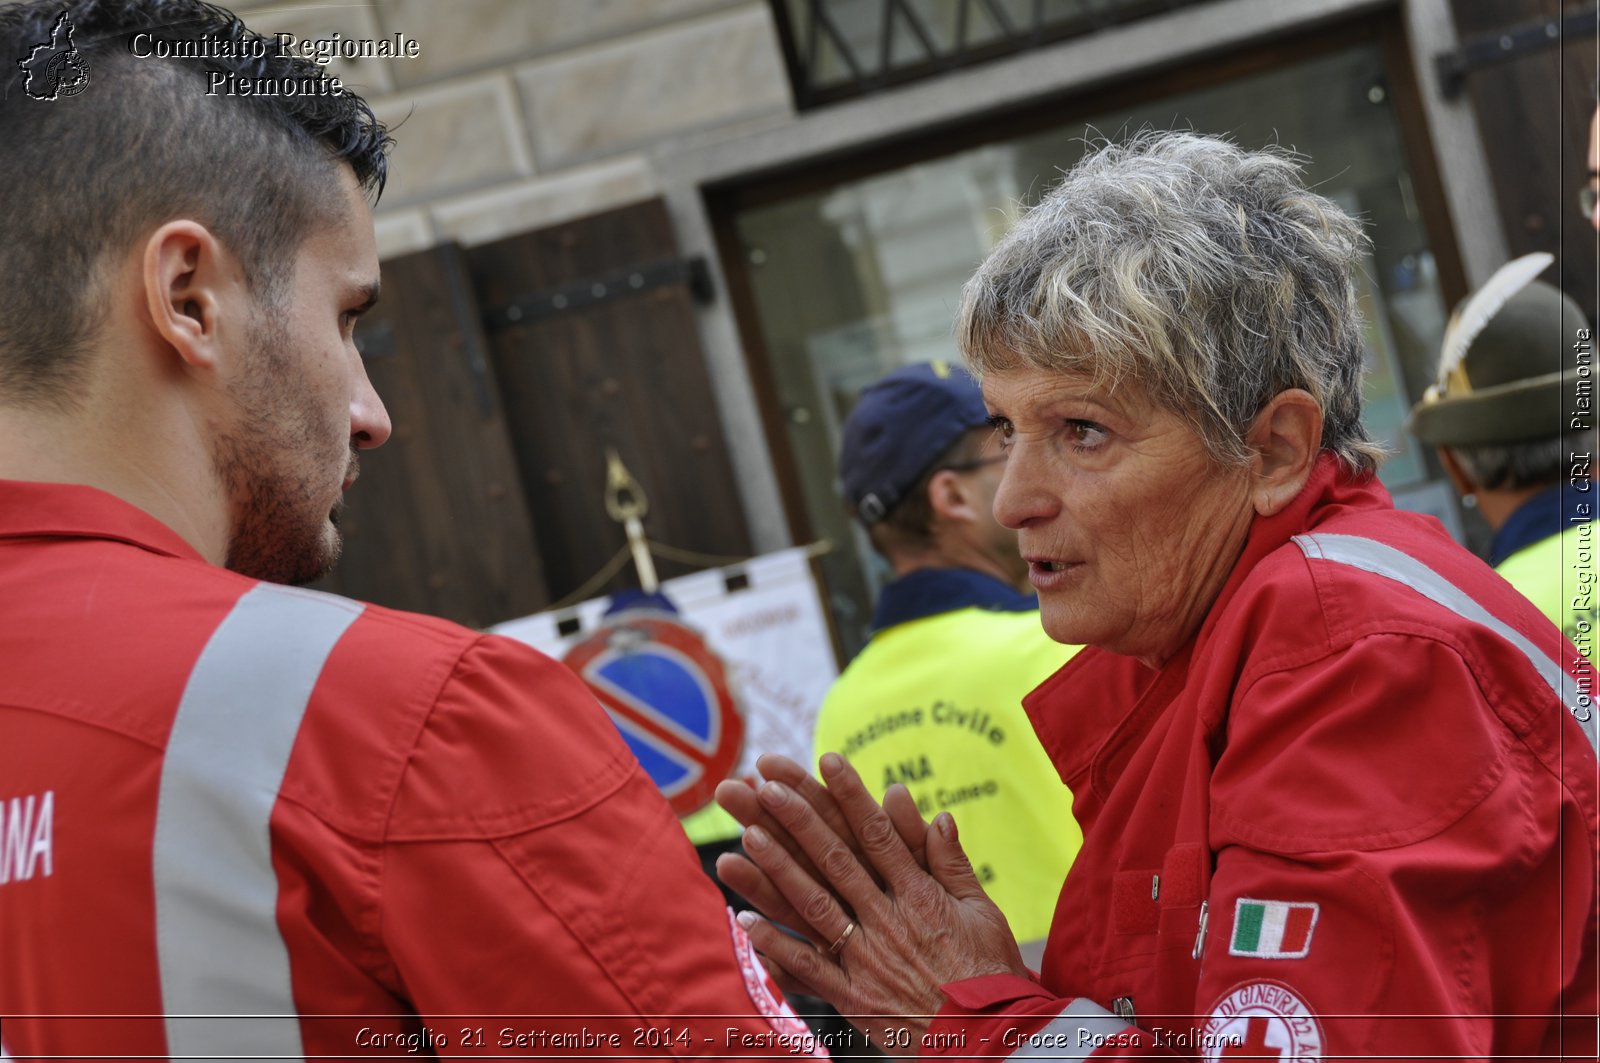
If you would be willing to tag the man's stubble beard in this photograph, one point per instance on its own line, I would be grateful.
(280, 533)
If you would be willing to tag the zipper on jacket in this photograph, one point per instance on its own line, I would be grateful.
(1200, 935)
(1123, 1006)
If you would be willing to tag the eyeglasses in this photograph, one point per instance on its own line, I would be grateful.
(1589, 197)
(975, 463)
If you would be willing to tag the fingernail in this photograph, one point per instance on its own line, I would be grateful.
(774, 794)
(947, 826)
(746, 919)
(831, 764)
(755, 838)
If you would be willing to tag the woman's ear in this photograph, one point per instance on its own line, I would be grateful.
(187, 277)
(1284, 440)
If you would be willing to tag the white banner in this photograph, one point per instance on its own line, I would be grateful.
(771, 633)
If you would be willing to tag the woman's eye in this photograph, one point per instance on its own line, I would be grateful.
(1085, 435)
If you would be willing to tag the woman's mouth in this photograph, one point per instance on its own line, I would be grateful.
(1048, 573)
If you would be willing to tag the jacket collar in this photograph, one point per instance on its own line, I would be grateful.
(72, 511)
(1550, 512)
(931, 591)
(1328, 491)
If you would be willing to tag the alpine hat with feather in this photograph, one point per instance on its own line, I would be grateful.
(1508, 366)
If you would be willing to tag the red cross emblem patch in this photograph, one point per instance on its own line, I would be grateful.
(1263, 1021)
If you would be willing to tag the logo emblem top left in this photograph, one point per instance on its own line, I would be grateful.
(55, 68)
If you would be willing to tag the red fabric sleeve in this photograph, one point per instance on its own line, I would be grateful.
(539, 897)
(1003, 1015)
(1000, 1016)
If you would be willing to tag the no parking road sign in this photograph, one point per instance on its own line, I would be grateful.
(668, 695)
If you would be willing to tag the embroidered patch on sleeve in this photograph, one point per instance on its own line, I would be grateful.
(1272, 930)
(1262, 1021)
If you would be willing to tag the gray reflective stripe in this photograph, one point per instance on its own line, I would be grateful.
(220, 950)
(1372, 556)
(1072, 1035)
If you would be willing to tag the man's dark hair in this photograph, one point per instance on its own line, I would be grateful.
(86, 175)
(909, 525)
(1516, 466)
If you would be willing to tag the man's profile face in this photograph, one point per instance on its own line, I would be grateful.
(302, 405)
(1594, 164)
(1000, 542)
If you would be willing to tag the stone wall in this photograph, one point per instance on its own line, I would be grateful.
(519, 114)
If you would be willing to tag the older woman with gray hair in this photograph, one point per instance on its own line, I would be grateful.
(1336, 779)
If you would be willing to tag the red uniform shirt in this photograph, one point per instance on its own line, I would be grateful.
(225, 797)
(1356, 817)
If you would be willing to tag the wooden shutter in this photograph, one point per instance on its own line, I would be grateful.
(623, 368)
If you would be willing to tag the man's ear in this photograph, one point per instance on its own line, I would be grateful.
(1458, 475)
(188, 279)
(1284, 440)
(950, 499)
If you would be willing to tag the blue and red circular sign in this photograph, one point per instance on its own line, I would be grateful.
(668, 695)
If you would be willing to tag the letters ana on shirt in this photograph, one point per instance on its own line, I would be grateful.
(26, 837)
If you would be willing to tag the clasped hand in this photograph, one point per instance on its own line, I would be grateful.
(890, 905)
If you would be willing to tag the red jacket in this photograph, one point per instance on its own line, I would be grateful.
(1356, 817)
(225, 797)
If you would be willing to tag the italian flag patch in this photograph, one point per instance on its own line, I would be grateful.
(1272, 930)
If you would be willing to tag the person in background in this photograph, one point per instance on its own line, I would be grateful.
(242, 819)
(1350, 809)
(934, 700)
(1516, 437)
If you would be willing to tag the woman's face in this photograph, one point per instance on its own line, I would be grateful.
(1128, 526)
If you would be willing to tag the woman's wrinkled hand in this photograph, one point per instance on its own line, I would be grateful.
(740, 800)
(888, 922)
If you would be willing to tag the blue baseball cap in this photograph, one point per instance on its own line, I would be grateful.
(899, 428)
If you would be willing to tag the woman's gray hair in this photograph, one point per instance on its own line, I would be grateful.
(1208, 274)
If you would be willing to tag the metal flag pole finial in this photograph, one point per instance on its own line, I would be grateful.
(626, 504)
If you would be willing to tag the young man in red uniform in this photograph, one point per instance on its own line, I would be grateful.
(241, 818)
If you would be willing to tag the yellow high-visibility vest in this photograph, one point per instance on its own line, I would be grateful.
(936, 704)
(710, 824)
(1558, 575)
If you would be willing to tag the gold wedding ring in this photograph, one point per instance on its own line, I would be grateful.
(849, 928)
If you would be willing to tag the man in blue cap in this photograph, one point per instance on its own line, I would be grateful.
(934, 700)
